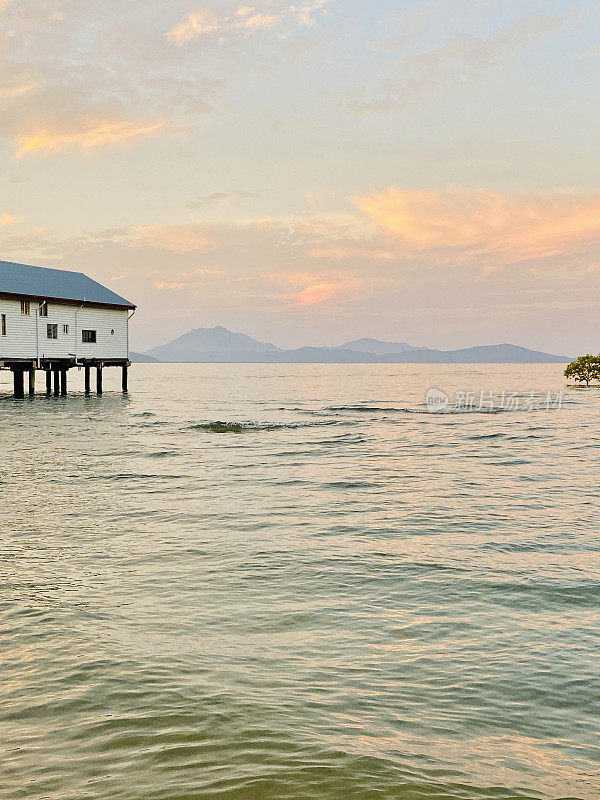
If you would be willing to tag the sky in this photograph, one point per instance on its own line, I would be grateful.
(313, 171)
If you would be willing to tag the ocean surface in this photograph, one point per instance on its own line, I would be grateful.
(293, 582)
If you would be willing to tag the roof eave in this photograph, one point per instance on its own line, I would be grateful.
(70, 300)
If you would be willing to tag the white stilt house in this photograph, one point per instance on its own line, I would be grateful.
(53, 320)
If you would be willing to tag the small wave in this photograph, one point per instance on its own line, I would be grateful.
(420, 409)
(352, 485)
(344, 438)
(360, 408)
(219, 426)
(463, 411)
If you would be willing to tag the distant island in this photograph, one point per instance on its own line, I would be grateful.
(218, 344)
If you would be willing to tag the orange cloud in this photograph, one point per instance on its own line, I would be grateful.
(8, 92)
(8, 219)
(466, 223)
(317, 294)
(176, 238)
(91, 136)
(309, 289)
(163, 285)
(343, 252)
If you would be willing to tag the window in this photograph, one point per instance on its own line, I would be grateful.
(65, 328)
(52, 331)
(25, 307)
(3, 321)
(44, 309)
(89, 337)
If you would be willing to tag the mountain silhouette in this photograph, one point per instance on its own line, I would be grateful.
(222, 345)
(377, 347)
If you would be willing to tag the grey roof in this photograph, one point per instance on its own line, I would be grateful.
(56, 284)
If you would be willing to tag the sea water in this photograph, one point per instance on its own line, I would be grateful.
(270, 582)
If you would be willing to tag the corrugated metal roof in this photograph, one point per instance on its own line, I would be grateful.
(58, 284)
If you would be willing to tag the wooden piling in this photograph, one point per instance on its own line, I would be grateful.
(48, 382)
(124, 378)
(56, 374)
(86, 370)
(63, 382)
(19, 390)
(99, 379)
(31, 381)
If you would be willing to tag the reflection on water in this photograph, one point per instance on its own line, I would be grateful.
(279, 581)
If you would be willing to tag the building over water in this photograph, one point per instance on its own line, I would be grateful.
(54, 320)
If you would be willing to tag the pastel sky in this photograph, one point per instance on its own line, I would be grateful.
(312, 171)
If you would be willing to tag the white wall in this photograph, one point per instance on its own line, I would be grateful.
(26, 336)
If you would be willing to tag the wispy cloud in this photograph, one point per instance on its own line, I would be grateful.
(308, 289)
(185, 280)
(218, 199)
(83, 81)
(9, 92)
(207, 23)
(245, 21)
(176, 238)
(318, 293)
(481, 229)
(162, 286)
(349, 250)
(592, 52)
(462, 55)
(455, 225)
(93, 135)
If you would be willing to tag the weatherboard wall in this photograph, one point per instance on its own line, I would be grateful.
(26, 335)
